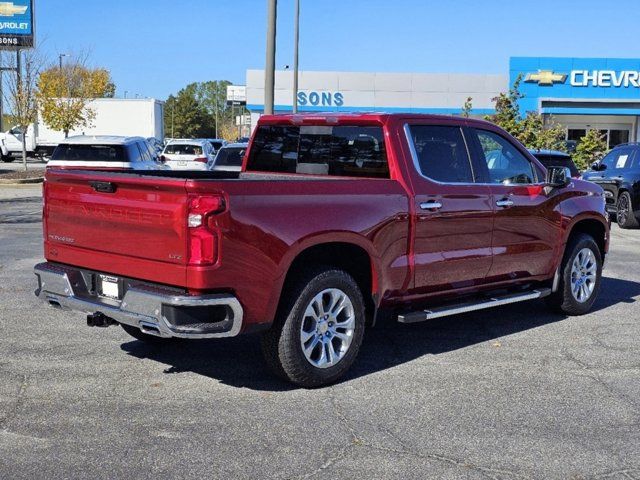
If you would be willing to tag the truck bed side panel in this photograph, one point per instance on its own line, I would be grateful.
(270, 222)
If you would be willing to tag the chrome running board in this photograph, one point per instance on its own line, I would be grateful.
(456, 309)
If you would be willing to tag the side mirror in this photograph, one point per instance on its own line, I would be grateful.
(596, 166)
(558, 177)
(162, 159)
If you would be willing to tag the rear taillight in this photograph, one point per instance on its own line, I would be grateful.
(201, 159)
(204, 236)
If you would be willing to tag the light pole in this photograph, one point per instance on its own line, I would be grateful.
(296, 41)
(60, 55)
(270, 66)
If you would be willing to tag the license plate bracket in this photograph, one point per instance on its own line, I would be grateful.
(109, 287)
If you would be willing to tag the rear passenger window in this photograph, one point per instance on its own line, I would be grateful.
(134, 153)
(144, 152)
(618, 159)
(441, 153)
(347, 151)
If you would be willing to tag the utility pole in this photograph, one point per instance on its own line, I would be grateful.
(216, 95)
(296, 41)
(173, 110)
(270, 66)
(60, 55)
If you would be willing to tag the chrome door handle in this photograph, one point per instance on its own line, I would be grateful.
(504, 203)
(431, 205)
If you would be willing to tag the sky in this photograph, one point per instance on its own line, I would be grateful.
(155, 47)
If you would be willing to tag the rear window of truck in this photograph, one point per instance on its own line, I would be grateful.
(90, 153)
(339, 151)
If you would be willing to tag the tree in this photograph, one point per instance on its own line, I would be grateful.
(21, 97)
(590, 148)
(64, 94)
(467, 107)
(186, 117)
(507, 114)
(531, 130)
(212, 95)
(535, 134)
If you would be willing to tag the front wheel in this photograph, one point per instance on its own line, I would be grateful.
(624, 215)
(580, 276)
(319, 329)
(8, 158)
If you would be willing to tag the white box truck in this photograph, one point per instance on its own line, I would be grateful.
(114, 116)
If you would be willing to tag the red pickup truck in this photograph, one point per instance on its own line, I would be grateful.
(334, 220)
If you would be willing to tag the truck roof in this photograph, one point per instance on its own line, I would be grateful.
(379, 117)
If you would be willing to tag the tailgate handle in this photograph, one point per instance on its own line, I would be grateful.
(103, 187)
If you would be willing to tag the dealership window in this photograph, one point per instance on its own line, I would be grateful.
(505, 163)
(441, 153)
(576, 134)
(347, 151)
(616, 137)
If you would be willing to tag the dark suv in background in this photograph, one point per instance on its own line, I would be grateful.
(618, 173)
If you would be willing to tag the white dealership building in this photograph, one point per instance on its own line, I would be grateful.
(578, 93)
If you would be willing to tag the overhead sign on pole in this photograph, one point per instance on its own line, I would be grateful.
(17, 24)
(236, 95)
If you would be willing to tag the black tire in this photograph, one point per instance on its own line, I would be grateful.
(7, 158)
(624, 215)
(138, 334)
(282, 346)
(563, 300)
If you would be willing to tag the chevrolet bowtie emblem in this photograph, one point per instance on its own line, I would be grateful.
(545, 77)
(9, 9)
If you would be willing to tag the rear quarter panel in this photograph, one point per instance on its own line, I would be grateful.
(269, 223)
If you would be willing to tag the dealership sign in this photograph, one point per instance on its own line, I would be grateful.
(16, 24)
(587, 78)
(322, 99)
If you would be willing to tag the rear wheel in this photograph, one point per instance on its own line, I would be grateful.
(319, 329)
(580, 275)
(624, 215)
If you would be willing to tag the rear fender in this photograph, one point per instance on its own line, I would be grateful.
(322, 239)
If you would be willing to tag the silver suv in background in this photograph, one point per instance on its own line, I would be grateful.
(105, 152)
(188, 155)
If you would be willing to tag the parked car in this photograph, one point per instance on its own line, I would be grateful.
(156, 145)
(336, 220)
(556, 158)
(188, 155)
(105, 152)
(217, 143)
(230, 157)
(618, 173)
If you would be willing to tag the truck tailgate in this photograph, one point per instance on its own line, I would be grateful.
(125, 224)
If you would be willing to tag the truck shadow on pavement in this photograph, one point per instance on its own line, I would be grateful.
(238, 361)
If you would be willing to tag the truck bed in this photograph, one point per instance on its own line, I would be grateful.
(135, 225)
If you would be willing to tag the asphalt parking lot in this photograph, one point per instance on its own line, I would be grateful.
(514, 392)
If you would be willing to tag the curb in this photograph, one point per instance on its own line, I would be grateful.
(22, 181)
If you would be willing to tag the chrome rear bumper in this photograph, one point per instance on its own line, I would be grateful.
(154, 309)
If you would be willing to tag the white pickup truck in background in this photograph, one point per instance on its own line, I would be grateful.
(114, 116)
